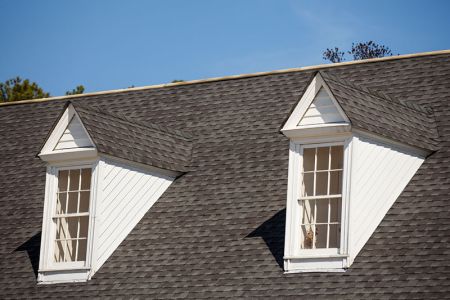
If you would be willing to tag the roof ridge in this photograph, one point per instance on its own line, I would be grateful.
(151, 126)
(231, 77)
(378, 94)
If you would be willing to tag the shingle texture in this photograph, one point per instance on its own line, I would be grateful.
(145, 143)
(381, 114)
(218, 231)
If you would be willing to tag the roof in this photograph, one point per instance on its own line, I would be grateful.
(218, 231)
(146, 143)
(382, 114)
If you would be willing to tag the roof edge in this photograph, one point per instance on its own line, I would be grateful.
(230, 77)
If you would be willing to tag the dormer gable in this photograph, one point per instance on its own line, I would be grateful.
(323, 110)
(75, 136)
(68, 135)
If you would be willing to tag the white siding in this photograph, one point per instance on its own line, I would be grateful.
(127, 193)
(321, 111)
(74, 136)
(379, 175)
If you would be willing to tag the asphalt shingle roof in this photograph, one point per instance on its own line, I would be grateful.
(146, 143)
(381, 114)
(218, 231)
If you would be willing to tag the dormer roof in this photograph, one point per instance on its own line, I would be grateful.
(350, 106)
(121, 137)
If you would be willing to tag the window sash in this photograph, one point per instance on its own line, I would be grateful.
(312, 225)
(57, 217)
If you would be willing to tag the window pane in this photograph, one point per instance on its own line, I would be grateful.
(62, 180)
(84, 201)
(59, 251)
(335, 182)
(307, 237)
(68, 227)
(74, 180)
(71, 250)
(321, 183)
(84, 224)
(308, 212)
(308, 159)
(321, 236)
(308, 184)
(61, 203)
(73, 203)
(322, 211)
(335, 236)
(86, 179)
(337, 157)
(61, 228)
(322, 158)
(82, 247)
(335, 210)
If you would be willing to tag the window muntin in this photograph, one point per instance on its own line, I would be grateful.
(321, 197)
(71, 216)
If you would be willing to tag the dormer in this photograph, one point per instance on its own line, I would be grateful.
(352, 152)
(104, 172)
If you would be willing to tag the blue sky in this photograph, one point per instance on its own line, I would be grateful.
(115, 44)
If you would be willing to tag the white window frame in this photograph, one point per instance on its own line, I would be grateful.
(50, 271)
(328, 259)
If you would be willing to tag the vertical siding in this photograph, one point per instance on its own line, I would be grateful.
(127, 194)
(321, 111)
(379, 175)
(74, 136)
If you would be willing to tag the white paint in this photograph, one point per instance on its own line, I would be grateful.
(316, 108)
(75, 136)
(380, 172)
(321, 111)
(69, 140)
(127, 194)
(375, 174)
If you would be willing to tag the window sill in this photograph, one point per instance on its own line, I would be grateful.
(63, 275)
(316, 263)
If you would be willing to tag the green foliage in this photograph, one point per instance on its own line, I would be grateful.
(359, 51)
(78, 90)
(177, 80)
(16, 89)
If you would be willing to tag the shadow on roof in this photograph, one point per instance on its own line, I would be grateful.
(32, 247)
(272, 232)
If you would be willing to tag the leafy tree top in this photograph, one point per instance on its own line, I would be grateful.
(16, 89)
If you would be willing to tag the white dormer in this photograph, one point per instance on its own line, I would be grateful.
(92, 201)
(341, 183)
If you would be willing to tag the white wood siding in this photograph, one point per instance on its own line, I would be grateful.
(379, 175)
(127, 193)
(75, 136)
(321, 111)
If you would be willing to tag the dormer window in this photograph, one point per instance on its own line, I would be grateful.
(320, 200)
(100, 183)
(346, 169)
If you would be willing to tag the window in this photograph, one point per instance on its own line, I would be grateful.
(71, 217)
(320, 198)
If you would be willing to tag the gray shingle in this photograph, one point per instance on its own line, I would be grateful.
(218, 231)
(136, 141)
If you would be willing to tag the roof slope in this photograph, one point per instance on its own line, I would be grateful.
(147, 143)
(384, 115)
(218, 231)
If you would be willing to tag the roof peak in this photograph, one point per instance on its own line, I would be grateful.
(230, 77)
